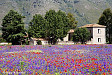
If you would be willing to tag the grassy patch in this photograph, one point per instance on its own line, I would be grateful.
(35, 51)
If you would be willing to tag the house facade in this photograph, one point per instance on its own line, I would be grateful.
(98, 33)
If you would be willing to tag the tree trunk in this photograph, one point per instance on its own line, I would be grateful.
(54, 41)
(109, 36)
(82, 42)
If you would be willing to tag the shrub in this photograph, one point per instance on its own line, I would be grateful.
(39, 42)
(2, 40)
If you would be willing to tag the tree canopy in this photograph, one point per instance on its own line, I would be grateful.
(106, 19)
(73, 22)
(53, 26)
(13, 27)
(58, 25)
(81, 35)
(37, 27)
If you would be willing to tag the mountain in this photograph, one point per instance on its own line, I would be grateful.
(85, 11)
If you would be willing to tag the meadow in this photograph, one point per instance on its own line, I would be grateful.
(56, 60)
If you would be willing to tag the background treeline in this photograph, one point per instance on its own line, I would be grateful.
(54, 25)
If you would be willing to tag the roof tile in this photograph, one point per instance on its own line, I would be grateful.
(92, 25)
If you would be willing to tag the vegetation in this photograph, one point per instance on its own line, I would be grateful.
(81, 34)
(58, 25)
(37, 27)
(13, 27)
(106, 19)
(2, 40)
(73, 22)
(53, 26)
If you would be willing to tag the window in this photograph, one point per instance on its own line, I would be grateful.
(99, 31)
(99, 39)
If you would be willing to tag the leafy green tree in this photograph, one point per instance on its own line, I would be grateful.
(106, 19)
(13, 27)
(37, 27)
(58, 25)
(81, 35)
(73, 22)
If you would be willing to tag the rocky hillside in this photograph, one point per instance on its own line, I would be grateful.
(85, 11)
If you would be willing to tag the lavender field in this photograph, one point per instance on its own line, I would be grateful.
(56, 60)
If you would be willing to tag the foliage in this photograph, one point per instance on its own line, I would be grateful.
(26, 41)
(13, 27)
(58, 25)
(39, 42)
(81, 35)
(37, 27)
(2, 40)
(106, 19)
(72, 20)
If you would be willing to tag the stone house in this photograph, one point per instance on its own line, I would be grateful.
(98, 33)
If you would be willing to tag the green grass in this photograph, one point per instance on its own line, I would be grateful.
(35, 51)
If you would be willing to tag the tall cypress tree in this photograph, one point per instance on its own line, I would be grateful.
(106, 19)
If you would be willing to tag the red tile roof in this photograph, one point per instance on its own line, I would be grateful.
(92, 25)
(42, 39)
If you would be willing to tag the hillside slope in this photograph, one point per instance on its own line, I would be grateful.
(85, 11)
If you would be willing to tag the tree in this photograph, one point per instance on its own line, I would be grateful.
(37, 27)
(73, 22)
(106, 19)
(58, 25)
(81, 35)
(13, 27)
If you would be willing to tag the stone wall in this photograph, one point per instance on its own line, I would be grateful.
(65, 42)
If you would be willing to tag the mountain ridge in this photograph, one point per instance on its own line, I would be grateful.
(85, 11)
